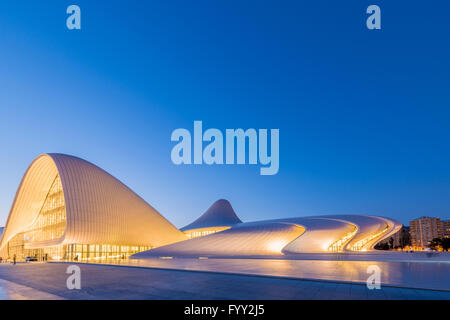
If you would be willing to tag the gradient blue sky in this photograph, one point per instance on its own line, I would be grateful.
(363, 115)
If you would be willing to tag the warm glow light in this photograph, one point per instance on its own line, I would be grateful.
(359, 246)
(201, 233)
(276, 245)
(340, 244)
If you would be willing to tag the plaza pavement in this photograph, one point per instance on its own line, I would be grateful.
(408, 272)
(48, 281)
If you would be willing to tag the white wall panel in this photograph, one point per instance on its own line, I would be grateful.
(99, 208)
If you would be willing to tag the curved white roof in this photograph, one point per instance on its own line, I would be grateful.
(220, 214)
(99, 208)
(314, 234)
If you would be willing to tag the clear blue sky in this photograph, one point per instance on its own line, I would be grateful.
(364, 116)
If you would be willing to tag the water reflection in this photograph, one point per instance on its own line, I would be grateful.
(421, 275)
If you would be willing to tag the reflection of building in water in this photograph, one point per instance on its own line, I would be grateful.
(423, 230)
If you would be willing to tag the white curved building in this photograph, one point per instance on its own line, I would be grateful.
(220, 216)
(68, 208)
(318, 234)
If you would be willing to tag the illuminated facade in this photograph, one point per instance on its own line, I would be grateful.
(67, 208)
(318, 234)
(423, 230)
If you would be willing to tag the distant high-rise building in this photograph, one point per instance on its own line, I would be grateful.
(423, 230)
(446, 229)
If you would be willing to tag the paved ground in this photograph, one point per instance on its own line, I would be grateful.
(379, 255)
(120, 282)
(13, 291)
(407, 274)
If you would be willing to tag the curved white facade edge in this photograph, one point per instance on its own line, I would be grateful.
(93, 208)
(317, 234)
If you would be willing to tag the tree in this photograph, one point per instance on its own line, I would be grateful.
(391, 243)
(405, 238)
(445, 243)
(435, 243)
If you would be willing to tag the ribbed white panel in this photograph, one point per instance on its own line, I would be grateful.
(99, 208)
(243, 239)
(320, 234)
(29, 198)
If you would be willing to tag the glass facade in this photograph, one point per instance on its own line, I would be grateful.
(51, 221)
(195, 233)
(86, 252)
(50, 224)
(339, 245)
(76, 252)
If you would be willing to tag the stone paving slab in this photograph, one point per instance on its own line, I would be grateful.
(121, 282)
(417, 275)
(13, 291)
